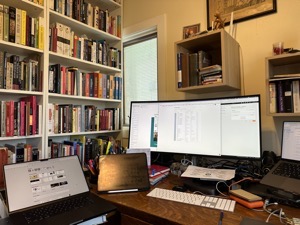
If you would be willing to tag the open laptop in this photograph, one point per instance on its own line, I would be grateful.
(290, 154)
(123, 173)
(36, 185)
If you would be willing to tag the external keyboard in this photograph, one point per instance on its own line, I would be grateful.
(194, 199)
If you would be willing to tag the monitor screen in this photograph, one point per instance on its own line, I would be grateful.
(228, 126)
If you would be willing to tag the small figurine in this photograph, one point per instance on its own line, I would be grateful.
(218, 22)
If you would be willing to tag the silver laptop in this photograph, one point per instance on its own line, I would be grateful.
(48, 184)
(286, 179)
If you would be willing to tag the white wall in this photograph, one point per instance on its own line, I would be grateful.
(255, 37)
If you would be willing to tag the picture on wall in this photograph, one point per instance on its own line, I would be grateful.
(242, 10)
(190, 31)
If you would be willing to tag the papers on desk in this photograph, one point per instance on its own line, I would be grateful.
(208, 174)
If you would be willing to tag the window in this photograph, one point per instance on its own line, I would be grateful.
(140, 71)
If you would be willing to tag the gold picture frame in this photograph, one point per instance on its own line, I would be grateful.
(191, 30)
(242, 10)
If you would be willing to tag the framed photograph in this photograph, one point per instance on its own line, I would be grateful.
(190, 31)
(242, 10)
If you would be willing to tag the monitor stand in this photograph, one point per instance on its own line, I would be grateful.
(204, 186)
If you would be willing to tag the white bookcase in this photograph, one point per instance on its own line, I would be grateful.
(48, 58)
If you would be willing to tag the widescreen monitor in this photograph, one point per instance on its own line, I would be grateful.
(229, 126)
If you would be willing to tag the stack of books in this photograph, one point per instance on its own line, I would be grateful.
(210, 74)
(157, 173)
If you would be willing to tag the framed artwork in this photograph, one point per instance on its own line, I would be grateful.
(242, 10)
(190, 31)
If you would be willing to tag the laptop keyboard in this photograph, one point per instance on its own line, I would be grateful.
(57, 208)
(286, 169)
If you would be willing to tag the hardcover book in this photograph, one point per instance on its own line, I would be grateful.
(12, 24)
(5, 22)
(3, 161)
(155, 170)
(1, 21)
(193, 69)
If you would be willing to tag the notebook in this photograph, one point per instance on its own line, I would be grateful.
(290, 154)
(32, 186)
(123, 173)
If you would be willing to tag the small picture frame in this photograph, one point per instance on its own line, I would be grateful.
(191, 30)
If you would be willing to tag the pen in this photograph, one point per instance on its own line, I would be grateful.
(221, 218)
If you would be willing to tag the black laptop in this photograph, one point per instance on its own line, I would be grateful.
(123, 173)
(56, 185)
(285, 175)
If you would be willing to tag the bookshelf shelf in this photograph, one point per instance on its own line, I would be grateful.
(18, 49)
(33, 9)
(82, 29)
(282, 85)
(83, 64)
(107, 4)
(223, 51)
(20, 137)
(19, 92)
(105, 132)
(74, 99)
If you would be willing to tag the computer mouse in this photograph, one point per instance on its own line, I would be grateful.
(179, 188)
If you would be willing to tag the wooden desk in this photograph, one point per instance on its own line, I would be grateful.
(138, 209)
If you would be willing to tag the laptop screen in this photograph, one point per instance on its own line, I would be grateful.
(32, 183)
(123, 172)
(291, 140)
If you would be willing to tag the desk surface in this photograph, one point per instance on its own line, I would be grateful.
(164, 212)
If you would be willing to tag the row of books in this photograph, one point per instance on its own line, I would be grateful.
(210, 74)
(195, 69)
(64, 41)
(19, 74)
(21, 152)
(18, 27)
(39, 2)
(71, 81)
(93, 16)
(284, 95)
(20, 118)
(68, 118)
(86, 148)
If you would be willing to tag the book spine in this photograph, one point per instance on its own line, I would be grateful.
(22, 118)
(60, 38)
(96, 21)
(3, 118)
(179, 70)
(41, 32)
(12, 24)
(66, 40)
(5, 23)
(18, 26)
(296, 96)
(32, 33)
(28, 30)
(23, 26)
(2, 56)
(1, 21)
(288, 96)
(9, 118)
